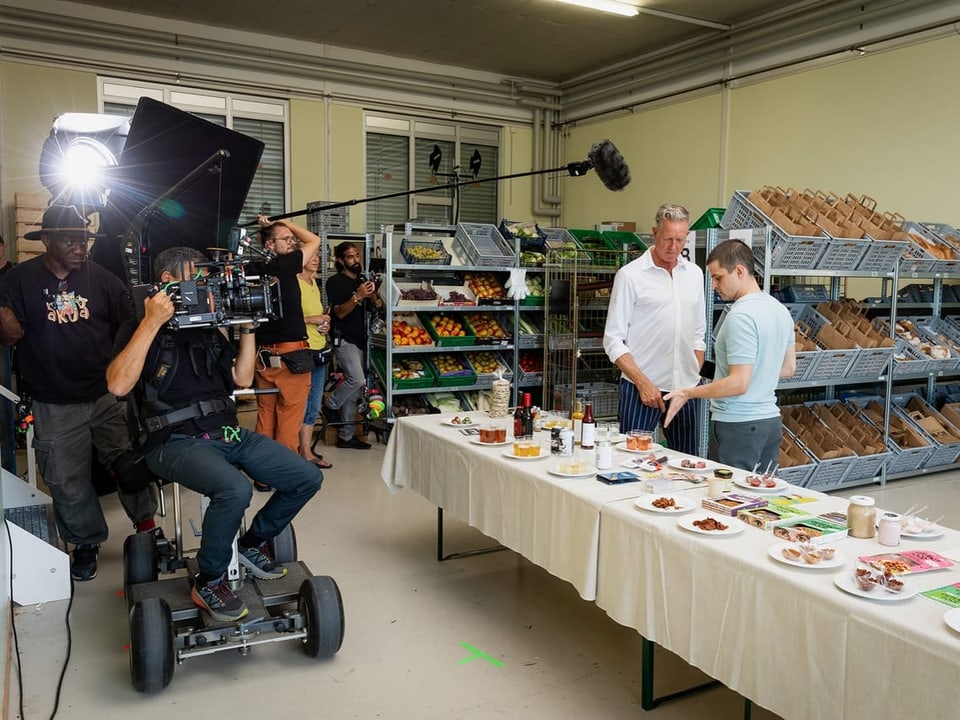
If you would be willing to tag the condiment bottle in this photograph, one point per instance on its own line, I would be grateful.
(576, 415)
(588, 428)
(604, 454)
(888, 532)
(861, 516)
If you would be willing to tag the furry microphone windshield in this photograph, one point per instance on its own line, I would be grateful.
(609, 165)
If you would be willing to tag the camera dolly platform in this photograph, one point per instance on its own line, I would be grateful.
(167, 628)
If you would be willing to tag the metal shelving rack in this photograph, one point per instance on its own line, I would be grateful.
(397, 266)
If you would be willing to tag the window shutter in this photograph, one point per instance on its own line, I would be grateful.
(388, 166)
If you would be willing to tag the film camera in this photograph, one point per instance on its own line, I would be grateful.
(225, 295)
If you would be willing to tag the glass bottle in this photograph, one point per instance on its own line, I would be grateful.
(588, 428)
(576, 415)
(518, 421)
(527, 415)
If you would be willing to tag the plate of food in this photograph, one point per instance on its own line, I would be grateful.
(697, 465)
(622, 446)
(476, 441)
(806, 556)
(919, 529)
(867, 583)
(666, 504)
(513, 456)
(952, 619)
(711, 524)
(572, 474)
(760, 483)
(460, 421)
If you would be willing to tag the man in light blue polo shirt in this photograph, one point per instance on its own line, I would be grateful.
(755, 347)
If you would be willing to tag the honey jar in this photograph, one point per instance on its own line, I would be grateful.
(861, 516)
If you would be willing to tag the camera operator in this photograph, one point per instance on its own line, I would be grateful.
(63, 313)
(279, 416)
(347, 293)
(183, 381)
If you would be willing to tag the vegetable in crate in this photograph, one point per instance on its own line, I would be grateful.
(485, 285)
(408, 369)
(405, 333)
(419, 253)
(485, 363)
(534, 285)
(485, 326)
(448, 365)
(418, 294)
(447, 326)
(531, 362)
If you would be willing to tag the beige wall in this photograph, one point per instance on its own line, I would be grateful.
(882, 125)
(31, 97)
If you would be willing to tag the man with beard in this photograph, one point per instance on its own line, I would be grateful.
(347, 293)
(63, 314)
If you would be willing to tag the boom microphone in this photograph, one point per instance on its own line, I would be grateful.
(609, 165)
(245, 242)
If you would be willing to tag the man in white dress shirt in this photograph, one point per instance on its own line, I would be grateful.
(655, 332)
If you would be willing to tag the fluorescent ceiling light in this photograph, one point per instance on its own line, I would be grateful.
(610, 6)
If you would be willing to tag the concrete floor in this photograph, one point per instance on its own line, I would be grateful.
(407, 617)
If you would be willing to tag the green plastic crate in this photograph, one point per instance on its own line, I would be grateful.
(469, 338)
(710, 219)
(380, 362)
(467, 377)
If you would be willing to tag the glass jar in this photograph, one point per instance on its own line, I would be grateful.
(726, 476)
(604, 454)
(861, 516)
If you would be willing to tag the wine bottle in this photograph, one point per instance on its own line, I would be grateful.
(588, 428)
(518, 421)
(527, 414)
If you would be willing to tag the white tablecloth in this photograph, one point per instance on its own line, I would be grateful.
(785, 637)
(552, 521)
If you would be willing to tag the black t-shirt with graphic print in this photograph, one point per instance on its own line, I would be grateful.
(69, 328)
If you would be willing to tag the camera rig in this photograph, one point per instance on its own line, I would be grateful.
(226, 294)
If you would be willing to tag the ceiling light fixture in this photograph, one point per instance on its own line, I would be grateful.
(609, 6)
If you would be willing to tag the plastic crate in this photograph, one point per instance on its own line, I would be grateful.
(908, 362)
(830, 364)
(796, 474)
(918, 260)
(934, 331)
(605, 397)
(790, 252)
(465, 376)
(882, 256)
(483, 245)
(448, 341)
(843, 254)
(629, 242)
(409, 247)
(477, 319)
(903, 459)
(944, 453)
(864, 467)
(486, 378)
(594, 245)
(870, 362)
(710, 219)
(557, 237)
(805, 294)
(949, 234)
(380, 362)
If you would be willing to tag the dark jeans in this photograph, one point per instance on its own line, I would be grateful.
(65, 438)
(750, 445)
(215, 469)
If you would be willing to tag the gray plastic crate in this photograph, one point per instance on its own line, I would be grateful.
(903, 460)
(843, 254)
(865, 466)
(943, 453)
(605, 397)
(797, 474)
(483, 245)
(830, 364)
(788, 251)
(882, 256)
(930, 328)
(918, 260)
(870, 362)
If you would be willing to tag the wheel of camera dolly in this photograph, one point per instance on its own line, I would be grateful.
(151, 645)
(284, 546)
(321, 607)
(140, 560)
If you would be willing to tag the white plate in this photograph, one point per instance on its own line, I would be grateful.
(836, 561)
(476, 441)
(681, 505)
(734, 526)
(936, 532)
(742, 482)
(585, 473)
(846, 582)
(952, 618)
(448, 422)
(541, 456)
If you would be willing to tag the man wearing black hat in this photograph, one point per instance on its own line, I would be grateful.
(63, 314)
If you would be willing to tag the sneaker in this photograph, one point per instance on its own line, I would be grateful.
(84, 565)
(258, 562)
(218, 599)
(353, 444)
